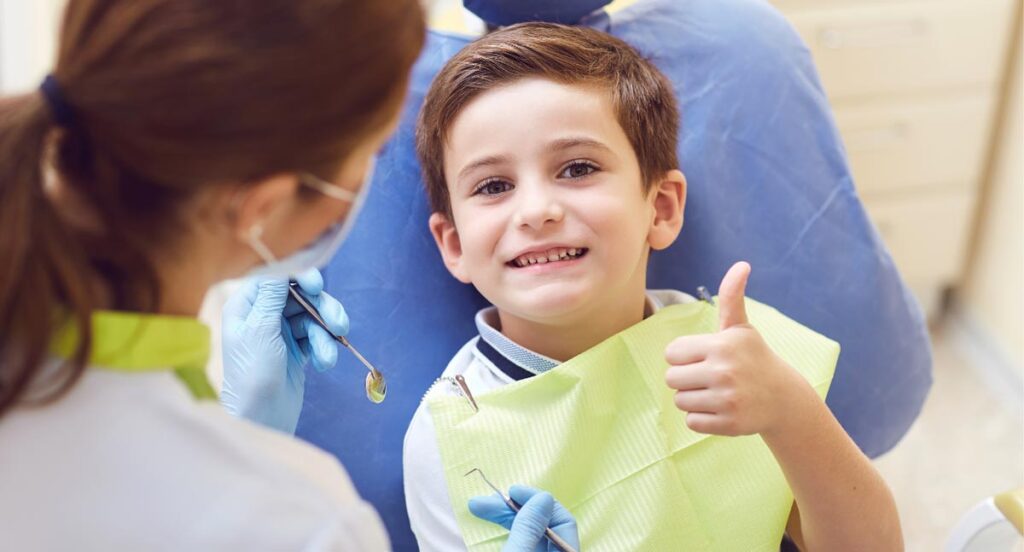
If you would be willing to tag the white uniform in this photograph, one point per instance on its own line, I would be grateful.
(132, 461)
(426, 494)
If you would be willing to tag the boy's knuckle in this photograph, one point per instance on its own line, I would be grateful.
(730, 400)
(727, 347)
(724, 376)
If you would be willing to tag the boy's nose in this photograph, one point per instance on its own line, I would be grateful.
(537, 206)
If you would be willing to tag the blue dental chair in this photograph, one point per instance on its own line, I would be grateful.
(768, 183)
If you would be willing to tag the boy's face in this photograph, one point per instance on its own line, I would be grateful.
(550, 217)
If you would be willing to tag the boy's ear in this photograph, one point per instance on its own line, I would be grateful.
(669, 201)
(447, 239)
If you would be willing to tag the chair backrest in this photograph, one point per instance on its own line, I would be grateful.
(768, 183)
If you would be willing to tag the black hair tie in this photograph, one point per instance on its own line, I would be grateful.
(62, 113)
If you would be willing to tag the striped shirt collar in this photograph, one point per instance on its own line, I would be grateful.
(516, 361)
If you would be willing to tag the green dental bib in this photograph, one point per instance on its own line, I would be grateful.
(602, 434)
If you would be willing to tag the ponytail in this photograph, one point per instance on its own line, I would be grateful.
(42, 278)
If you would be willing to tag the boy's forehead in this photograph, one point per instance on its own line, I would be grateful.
(535, 97)
(529, 112)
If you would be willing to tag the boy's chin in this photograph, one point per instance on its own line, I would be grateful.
(548, 306)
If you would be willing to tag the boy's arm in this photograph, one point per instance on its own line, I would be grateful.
(842, 503)
(426, 493)
(732, 383)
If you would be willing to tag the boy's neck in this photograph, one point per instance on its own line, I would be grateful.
(563, 340)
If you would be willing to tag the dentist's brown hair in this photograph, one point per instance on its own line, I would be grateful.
(167, 98)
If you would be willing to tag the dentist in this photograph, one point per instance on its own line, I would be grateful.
(176, 144)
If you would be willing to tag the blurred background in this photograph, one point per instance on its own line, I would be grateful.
(927, 95)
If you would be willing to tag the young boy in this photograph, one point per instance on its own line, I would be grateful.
(549, 154)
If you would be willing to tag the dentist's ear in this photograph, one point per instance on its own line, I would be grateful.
(669, 202)
(447, 239)
(263, 202)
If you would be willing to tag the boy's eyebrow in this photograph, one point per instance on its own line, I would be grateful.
(482, 162)
(572, 142)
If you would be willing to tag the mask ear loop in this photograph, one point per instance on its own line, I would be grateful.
(256, 230)
(326, 188)
(257, 245)
(254, 233)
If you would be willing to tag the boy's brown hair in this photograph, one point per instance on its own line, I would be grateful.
(642, 97)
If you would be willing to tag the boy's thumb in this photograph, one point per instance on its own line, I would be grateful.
(732, 310)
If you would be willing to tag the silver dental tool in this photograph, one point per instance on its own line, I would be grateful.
(376, 387)
(704, 295)
(552, 536)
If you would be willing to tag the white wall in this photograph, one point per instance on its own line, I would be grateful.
(28, 31)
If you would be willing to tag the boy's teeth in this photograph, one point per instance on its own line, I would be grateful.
(553, 255)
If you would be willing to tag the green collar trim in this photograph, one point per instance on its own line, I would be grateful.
(136, 342)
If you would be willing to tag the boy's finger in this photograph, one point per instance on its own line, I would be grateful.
(732, 310)
(698, 400)
(689, 349)
(689, 377)
(704, 422)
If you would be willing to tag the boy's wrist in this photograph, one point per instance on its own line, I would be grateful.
(803, 409)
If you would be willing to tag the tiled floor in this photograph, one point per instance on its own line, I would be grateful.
(966, 445)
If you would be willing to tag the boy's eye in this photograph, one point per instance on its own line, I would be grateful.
(493, 187)
(577, 169)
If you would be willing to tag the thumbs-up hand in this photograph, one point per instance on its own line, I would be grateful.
(731, 382)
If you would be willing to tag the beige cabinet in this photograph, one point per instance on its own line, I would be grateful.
(915, 87)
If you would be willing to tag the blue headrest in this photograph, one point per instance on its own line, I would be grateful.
(768, 183)
(509, 12)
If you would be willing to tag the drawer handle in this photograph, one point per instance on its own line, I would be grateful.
(897, 33)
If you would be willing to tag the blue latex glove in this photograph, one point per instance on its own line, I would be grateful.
(268, 339)
(540, 510)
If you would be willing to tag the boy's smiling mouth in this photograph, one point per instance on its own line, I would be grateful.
(548, 255)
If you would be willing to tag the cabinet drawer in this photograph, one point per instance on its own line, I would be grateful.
(906, 47)
(906, 144)
(926, 233)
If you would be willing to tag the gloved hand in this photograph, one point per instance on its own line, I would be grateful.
(539, 511)
(267, 339)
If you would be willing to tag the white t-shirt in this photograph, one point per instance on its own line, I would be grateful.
(131, 461)
(431, 514)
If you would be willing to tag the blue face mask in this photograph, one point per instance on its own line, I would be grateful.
(320, 252)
